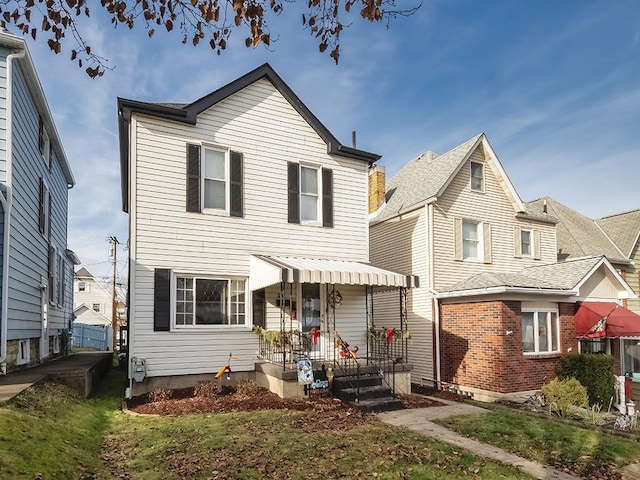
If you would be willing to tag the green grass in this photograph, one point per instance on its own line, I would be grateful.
(49, 431)
(546, 439)
(279, 444)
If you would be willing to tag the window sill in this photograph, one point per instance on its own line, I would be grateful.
(542, 356)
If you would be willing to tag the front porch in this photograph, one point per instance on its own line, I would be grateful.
(316, 341)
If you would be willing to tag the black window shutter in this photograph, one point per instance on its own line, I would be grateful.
(193, 178)
(293, 188)
(41, 217)
(161, 299)
(327, 197)
(49, 217)
(40, 135)
(236, 170)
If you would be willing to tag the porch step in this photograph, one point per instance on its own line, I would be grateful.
(367, 380)
(366, 393)
(384, 404)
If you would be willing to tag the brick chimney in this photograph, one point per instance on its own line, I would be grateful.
(376, 187)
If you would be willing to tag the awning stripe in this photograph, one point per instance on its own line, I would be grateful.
(266, 270)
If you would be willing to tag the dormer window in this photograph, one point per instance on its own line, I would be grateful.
(477, 177)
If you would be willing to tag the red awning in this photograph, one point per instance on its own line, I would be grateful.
(606, 319)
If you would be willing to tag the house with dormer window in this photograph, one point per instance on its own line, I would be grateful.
(248, 239)
(495, 310)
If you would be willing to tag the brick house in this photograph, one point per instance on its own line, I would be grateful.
(495, 310)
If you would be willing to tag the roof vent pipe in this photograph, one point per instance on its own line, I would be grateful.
(353, 139)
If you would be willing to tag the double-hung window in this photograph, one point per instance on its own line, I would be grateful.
(215, 179)
(526, 239)
(201, 301)
(471, 240)
(477, 177)
(44, 210)
(540, 331)
(309, 194)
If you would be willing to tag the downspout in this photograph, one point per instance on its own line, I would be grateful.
(7, 203)
(434, 294)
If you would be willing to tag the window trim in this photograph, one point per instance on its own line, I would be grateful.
(52, 275)
(531, 240)
(471, 177)
(45, 209)
(60, 274)
(93, 307)
(84, 285)
(479, 240)
(536, 329)
(318, 195)
(174, 326)
(227, 180)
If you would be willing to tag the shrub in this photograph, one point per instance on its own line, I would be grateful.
(565, 395)
(594, 371)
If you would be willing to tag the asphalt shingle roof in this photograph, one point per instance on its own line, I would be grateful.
(577, 235)
(623, 229)
(555, 276)
(422, 178)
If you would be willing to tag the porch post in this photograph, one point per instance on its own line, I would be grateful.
(403, 321)
(282, 325)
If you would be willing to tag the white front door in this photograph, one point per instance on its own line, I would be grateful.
(44, 338)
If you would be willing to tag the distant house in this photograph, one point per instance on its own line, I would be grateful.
(494, 311)
(617, 237)
(89, 292)
(37, 267)
(245, 213)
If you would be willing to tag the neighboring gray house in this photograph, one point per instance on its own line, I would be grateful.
(36, 298)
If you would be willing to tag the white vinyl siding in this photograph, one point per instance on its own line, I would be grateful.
(494, 209)
(261, 124)
(409, 255)
(94, 294)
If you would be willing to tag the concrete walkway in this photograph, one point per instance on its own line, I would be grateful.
(420, 420)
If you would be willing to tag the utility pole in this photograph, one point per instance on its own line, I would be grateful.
(114, 308)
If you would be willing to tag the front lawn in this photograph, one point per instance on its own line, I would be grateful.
(586, 451)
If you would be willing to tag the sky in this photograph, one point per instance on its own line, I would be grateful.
(554, 85)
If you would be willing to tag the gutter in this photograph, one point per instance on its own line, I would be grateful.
(494, 290)
(7, 203)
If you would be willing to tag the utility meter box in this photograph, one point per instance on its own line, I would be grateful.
(139, 368)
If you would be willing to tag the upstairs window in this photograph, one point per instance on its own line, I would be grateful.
(477, 177)
(310, 194)
(472, 240)
(471, 244)
(44, 145)
(97, 307)
(214, 180)
(83, 287)
(526, 243)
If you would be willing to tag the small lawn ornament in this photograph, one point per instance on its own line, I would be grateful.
(226, 369)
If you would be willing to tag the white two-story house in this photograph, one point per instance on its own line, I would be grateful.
(248, 236)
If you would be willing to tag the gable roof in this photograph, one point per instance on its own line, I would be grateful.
(623, 229)
(188, 113)
(88, 316)
(17, 44)
(83, 273)
(578, 235)
(426, 177)
(562, 278)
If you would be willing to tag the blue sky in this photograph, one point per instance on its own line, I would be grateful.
(554, 85)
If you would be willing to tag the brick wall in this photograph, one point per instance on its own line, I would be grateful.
(477, 351)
